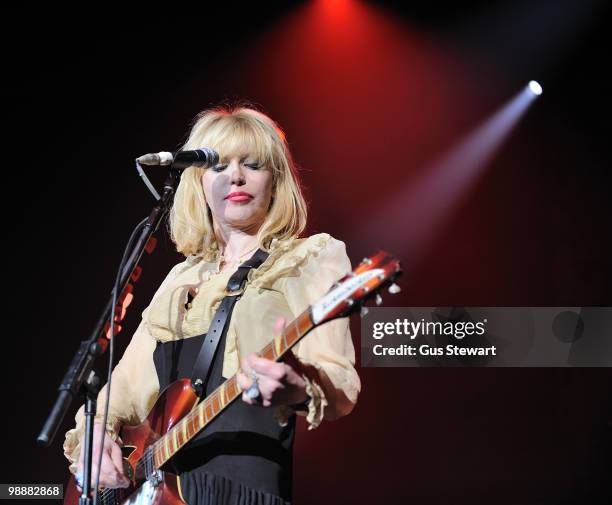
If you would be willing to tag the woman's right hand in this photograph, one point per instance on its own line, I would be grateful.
(111, 475)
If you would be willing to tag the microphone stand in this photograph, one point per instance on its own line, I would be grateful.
(80, 378)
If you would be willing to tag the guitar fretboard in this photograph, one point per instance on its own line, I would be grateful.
(188, 427)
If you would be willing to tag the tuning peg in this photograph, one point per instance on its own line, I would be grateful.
(378, 299)
(364, 311)
(394, 289)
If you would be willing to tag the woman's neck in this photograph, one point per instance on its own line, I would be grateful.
(234, 244)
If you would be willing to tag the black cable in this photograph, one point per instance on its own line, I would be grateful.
(126, 254)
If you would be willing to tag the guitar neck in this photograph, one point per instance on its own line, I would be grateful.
(207, 410)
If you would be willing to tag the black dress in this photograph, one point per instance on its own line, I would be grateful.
(243, 457)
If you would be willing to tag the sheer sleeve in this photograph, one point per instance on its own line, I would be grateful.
(134, 387)
(327, 353)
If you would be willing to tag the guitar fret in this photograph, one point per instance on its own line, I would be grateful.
(168, 448)
(297, 333)
(194, 425)
(285, 344)
(222, 395)
(268, 352)
(154, 454)
(162, 450)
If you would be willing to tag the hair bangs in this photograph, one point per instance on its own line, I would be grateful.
(237, 132)
(237, 137)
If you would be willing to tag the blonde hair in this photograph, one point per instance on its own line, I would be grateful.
(229, 131)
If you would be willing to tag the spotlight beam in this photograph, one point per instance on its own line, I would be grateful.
(425, 206)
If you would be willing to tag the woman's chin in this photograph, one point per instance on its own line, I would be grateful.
(244, 219)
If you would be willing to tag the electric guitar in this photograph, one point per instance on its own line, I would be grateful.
(176, 417)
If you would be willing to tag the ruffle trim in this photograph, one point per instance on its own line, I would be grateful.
(316, 407)
(203, 488)
(317, 404)
(72, 443)
(285, 257)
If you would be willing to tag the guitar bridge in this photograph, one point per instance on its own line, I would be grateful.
(156, 478)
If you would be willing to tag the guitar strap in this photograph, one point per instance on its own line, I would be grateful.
(219, 325)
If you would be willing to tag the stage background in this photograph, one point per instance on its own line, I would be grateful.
(368, 94)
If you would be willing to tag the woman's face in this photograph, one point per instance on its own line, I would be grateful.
(238, 192)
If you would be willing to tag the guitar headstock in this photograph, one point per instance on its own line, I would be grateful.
(352, 291)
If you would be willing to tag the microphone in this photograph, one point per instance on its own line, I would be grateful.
(180, 160)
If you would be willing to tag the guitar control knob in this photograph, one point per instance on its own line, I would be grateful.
(197, 386)
(394, 289)
(378, 299)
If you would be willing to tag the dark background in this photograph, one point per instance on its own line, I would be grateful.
(369, 93)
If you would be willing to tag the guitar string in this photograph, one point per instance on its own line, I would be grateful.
(146, 460)
(154, 447)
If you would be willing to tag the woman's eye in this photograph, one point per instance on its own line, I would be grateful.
(221, 168)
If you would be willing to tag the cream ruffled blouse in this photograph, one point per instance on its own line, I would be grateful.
(296, 274)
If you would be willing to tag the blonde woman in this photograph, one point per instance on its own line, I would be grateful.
(221, 215)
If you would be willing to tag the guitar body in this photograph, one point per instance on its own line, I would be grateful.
(176, 401)
(177, 417)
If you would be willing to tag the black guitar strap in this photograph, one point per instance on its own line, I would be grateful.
(220, 322)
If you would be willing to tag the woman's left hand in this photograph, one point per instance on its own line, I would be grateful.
(278, 382)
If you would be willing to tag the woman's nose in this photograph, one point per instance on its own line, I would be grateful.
(236, 173)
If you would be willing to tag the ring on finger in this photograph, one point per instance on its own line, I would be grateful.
(253, 392)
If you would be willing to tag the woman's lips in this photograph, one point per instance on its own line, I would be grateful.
(239, 197)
